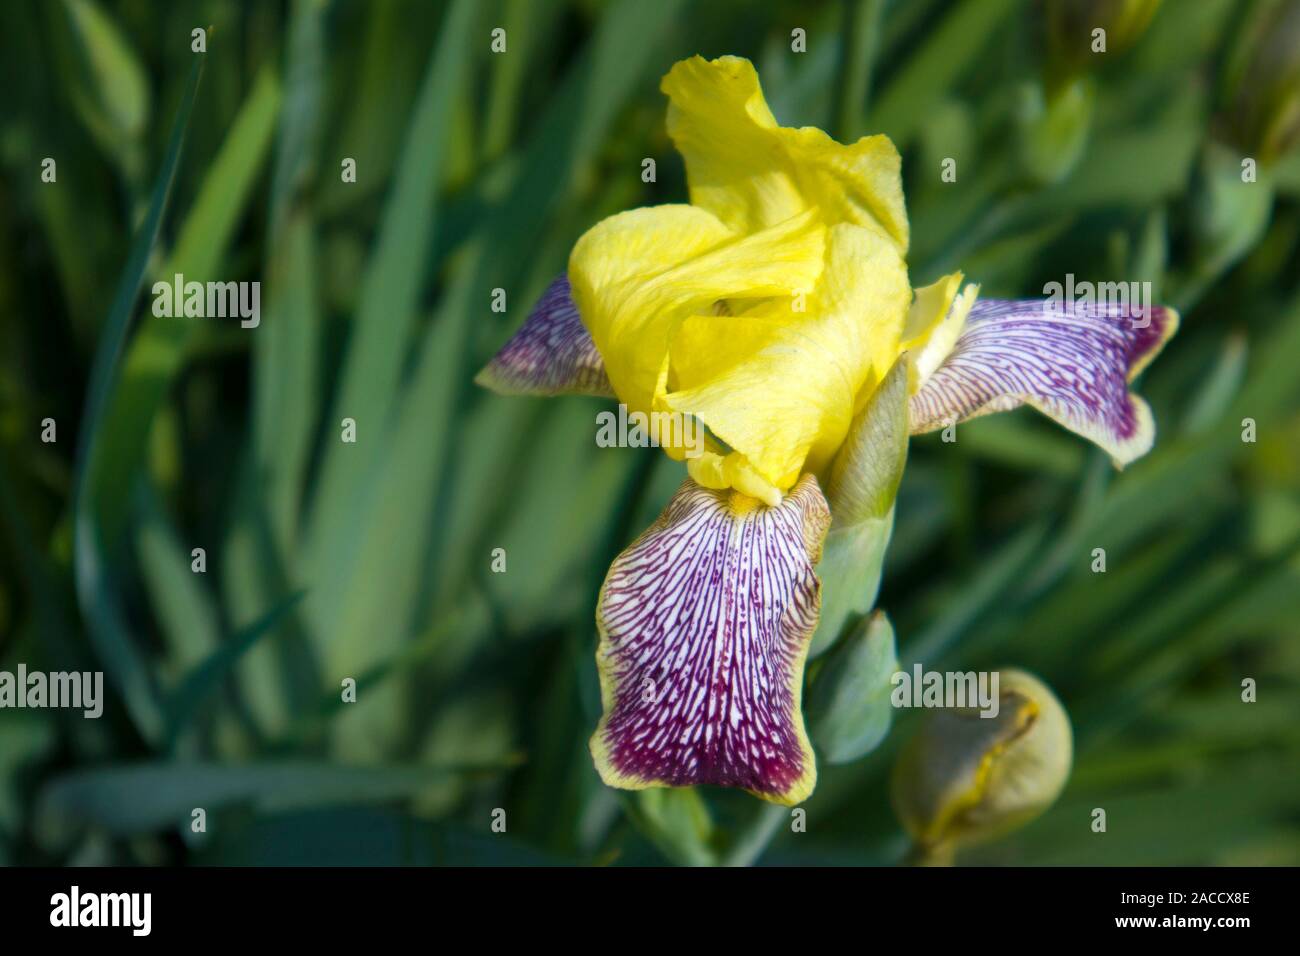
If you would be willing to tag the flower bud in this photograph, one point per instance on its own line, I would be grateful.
(1072, 31)
(966, 779)
(1054, 122)
(1053, 126)
(1261, 114)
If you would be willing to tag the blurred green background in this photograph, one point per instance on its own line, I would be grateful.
(477, 170)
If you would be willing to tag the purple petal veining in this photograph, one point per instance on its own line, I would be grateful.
(1073, 363)
(705, 623)
(551, 354)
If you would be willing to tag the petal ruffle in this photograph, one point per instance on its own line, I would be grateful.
(705, 623)
(637, 275)
(1073, 363)
(779, 385)
(752, 173)
(551, 354)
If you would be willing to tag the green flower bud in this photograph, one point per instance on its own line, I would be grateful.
(966, 779)
(1072, 37)
(1261, 114)
(1054, 122)
(1054, 125)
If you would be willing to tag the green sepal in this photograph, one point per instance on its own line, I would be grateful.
(861, 490)
(849, 709)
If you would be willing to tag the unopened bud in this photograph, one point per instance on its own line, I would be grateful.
(966, 779)
(1079, 32)
(1261, 114)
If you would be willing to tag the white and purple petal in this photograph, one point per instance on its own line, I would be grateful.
(1072, 362)
(705, 622)
(551, 354)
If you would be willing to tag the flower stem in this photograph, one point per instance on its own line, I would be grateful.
(752, 838)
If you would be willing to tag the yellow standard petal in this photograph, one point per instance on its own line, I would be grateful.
(636, 276)
(752, 173)
(771, 307)
(777, 382)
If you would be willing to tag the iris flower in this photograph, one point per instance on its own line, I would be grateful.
(775, 309)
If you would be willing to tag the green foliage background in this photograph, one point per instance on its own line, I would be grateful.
(475, 171)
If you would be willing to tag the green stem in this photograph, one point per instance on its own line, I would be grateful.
(942, 854)
(752, 839)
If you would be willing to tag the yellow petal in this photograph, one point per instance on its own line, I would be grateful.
(934, 324)
(928, 309)
(779, 385)
(752, 173)
(637, 275)
(733, 470)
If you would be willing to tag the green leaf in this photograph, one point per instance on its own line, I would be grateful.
(1220, 386)
(527, 24)
(183, 607)
(286, 353)
(260, 556)
(377, 574)
(205, 678)
(381, 837)
(118, 652)
(159, 348)
(1022, 442)
(1230, 215)
(148, 797)
(380, 339)
(25, 738)
(111, 94)
(558, 519)
(948, 51)
(861, 40)
(964, 602)
(386, 68)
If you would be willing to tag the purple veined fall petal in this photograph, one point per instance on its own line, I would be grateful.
(705, 622)
(551, 354)
(1073, 363)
